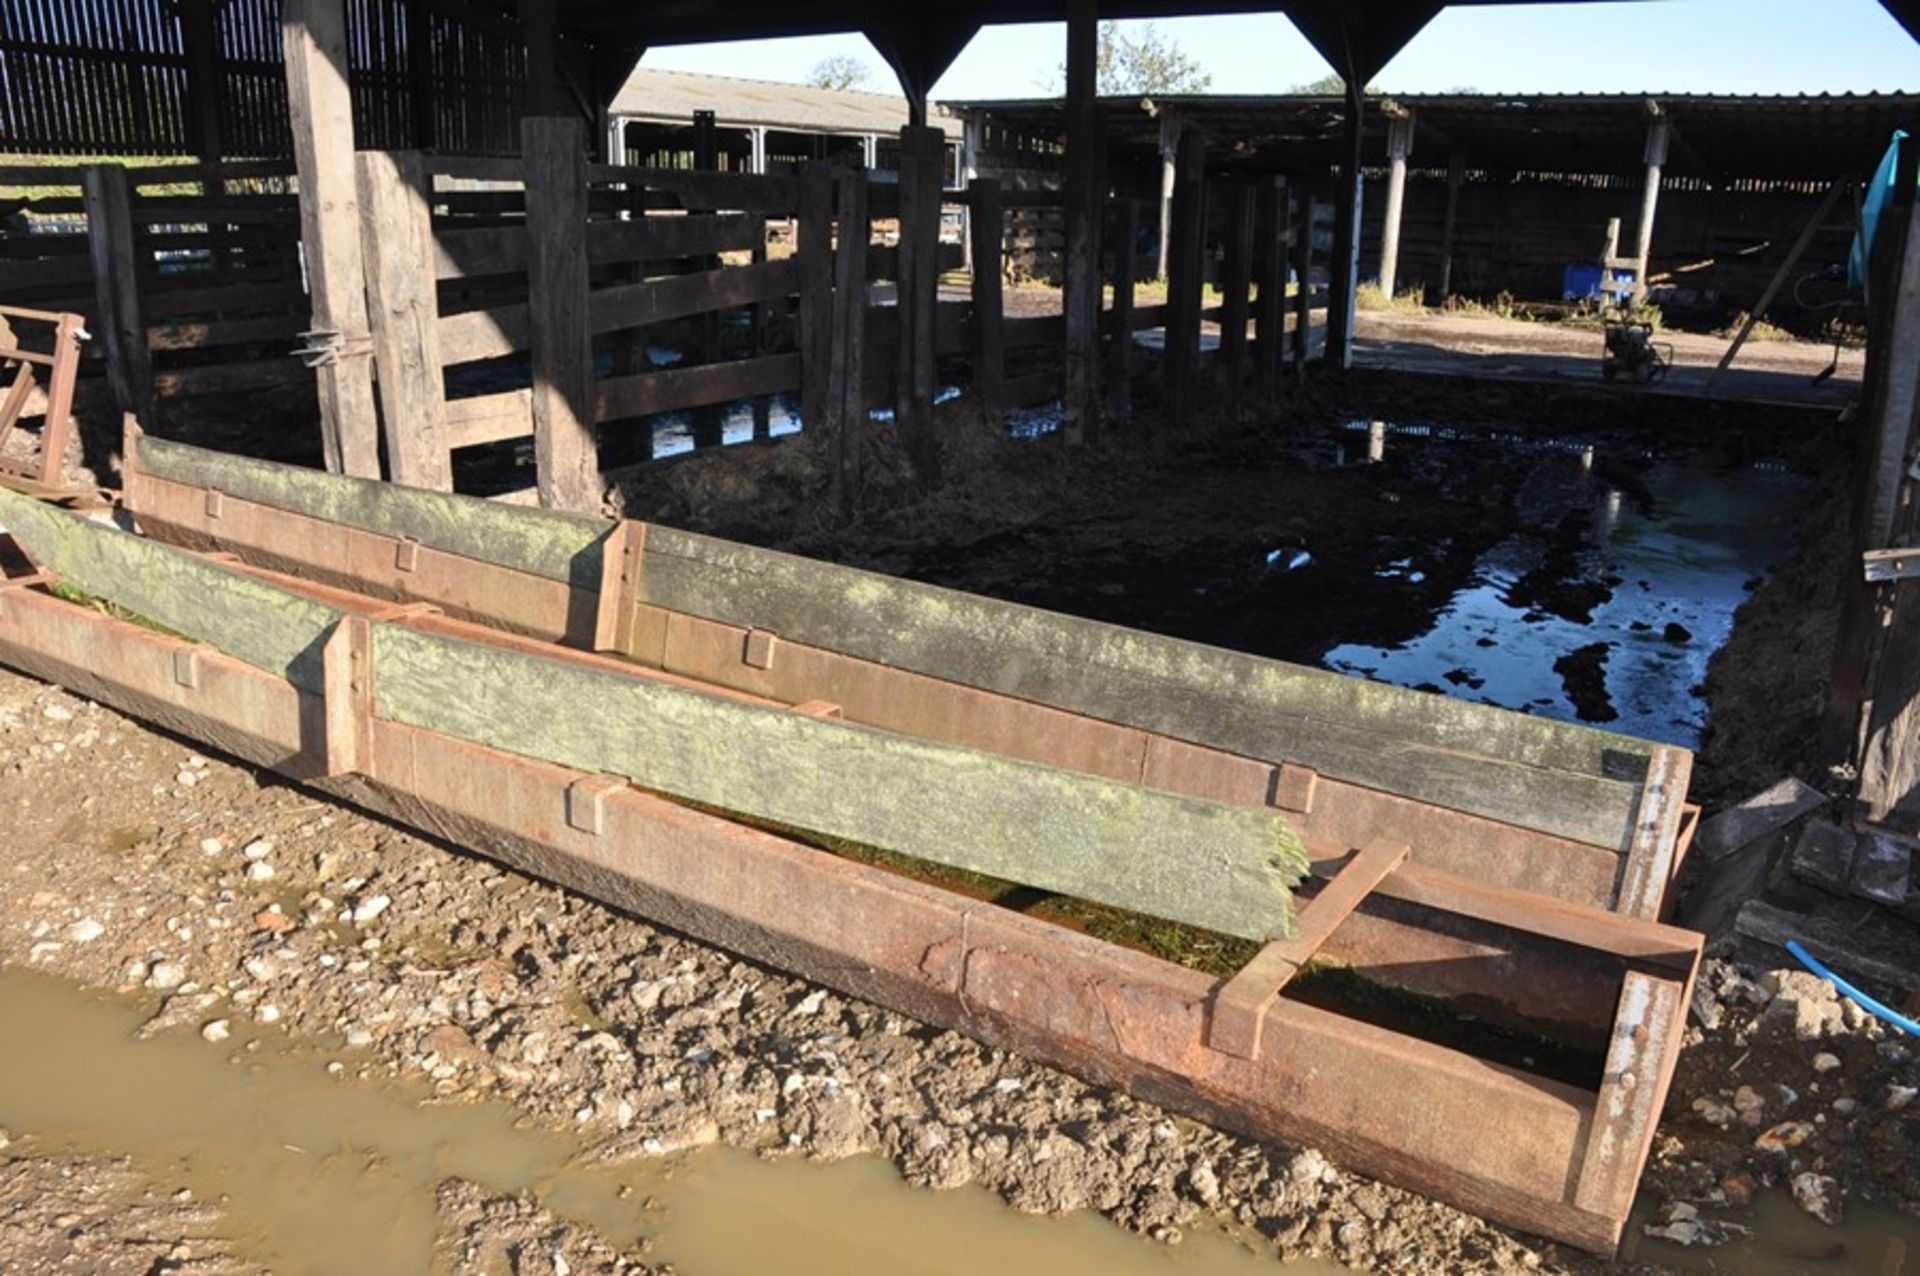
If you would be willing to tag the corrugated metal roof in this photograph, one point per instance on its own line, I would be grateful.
(1776, 137)
(654, 94)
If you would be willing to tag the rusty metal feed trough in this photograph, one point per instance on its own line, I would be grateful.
(540, 688)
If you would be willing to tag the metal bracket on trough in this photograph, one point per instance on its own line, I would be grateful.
(1240, 1007)
(759, 648)
(1294, 787)
(587, 802)
(406, 554)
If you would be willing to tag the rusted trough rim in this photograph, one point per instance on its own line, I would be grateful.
(506, 598)
(1643, 782)
(1534, 1154)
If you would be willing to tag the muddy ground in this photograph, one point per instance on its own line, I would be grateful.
(216, 894)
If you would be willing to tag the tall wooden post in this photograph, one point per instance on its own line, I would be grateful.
(1169, 181)
(986, 228)
(1086, 142)
(121, 321)
(1657, 135)
(554, 155)
(1270, 271)
(1186, 280)
(1346, 230)
(847, 390)
(816, 290)
(1238, 269)
(1306, 225)
(1126, 272)
(396, 235)
(709, 419)
(922, 152)
(314, 33)
(1456, 174)
(1399, 148)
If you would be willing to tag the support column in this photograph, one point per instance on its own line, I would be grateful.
(709, 421)
(1169, 177)
(314, 33)
(922, 151)
(1236, 284)
(985, 227)
(757, 154)
(396, 225)
(1346, 231)
(1657, 135)
(1186, 278)
(1399, 148)
(119, 322)
(1456, 174)
(566, 459)
(1081, 294)
(1270, 272)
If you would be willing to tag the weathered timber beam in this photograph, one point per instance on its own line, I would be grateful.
(1566, 780)
(1199, 862)
(1202, 863)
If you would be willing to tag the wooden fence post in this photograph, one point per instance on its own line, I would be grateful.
(396, 238)
(568, 465)
(847, 394)
(1186, 278)
(985, 229)
(816, 290)
(1080, 283)
(1270, 269)
(1304, 228)
(1238, 269)
(1126, 269)
(122, 325)
(314, 34)
(921, 152)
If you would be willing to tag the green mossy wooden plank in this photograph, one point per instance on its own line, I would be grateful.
(246, 618)
(545, 543)
(1208, 864)
(1559, 778)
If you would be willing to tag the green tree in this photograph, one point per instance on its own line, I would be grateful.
(840, 71)
(1137, 60)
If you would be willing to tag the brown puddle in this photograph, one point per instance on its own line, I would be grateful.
(321, 1175)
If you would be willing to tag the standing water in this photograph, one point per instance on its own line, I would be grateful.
(1608, 601)
(322, 1175)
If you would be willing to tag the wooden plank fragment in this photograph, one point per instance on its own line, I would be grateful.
(1203, 863)
(267, 627)
(671, 389)
(678, 296)
(659, 238)
(489, 418)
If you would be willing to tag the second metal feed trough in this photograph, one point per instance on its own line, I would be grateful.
(516, 680)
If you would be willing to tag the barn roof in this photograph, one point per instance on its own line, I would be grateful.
(651, 93)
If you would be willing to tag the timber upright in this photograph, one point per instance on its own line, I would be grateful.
(604, 705)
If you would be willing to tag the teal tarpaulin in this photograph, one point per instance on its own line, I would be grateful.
(1879, 191)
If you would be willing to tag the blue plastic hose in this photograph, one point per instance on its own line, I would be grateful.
(1853, 994)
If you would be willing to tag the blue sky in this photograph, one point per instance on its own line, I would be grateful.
(1718, 46)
